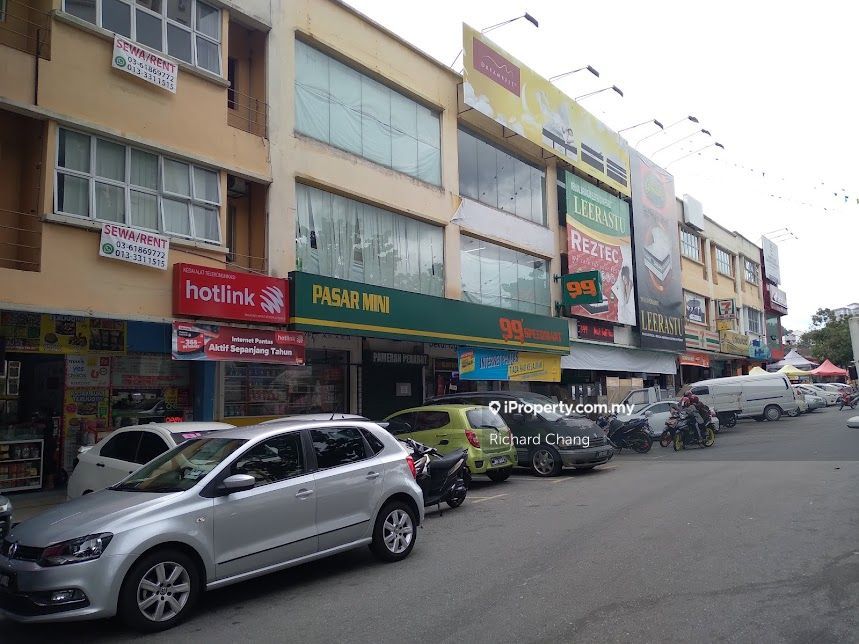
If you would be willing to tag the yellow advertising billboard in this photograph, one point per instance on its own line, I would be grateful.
(498, 85)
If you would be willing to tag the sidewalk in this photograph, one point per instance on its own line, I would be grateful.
(26, 506)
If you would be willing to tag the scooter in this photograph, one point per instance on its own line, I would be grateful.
(688, 432)
(848, 400)
(441, 478)
(634, 434)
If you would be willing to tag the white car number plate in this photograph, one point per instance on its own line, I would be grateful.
(499, 460)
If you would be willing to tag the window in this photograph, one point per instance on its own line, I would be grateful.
(495, 178)
(276, 459)
(751, 271)
(690, 245)
(401, 424)
(151, 446)
(724, 262)
(498, 276)
(109, 181)
(342, 238)
(349, 110)
(425, 420)
(484, 417)
(753, 321)
(122, 447)
(375, 444)
(190, 29)
(2, 10)
(337, 446)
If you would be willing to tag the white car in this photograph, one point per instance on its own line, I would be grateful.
(829, 395)
(657, 413)
(125, 450)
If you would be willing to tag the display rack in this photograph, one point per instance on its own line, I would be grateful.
(21, 464)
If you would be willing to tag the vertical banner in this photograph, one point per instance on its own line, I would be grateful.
(598, 238)
(657, 256)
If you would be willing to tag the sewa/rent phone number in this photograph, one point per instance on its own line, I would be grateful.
(152, 74)
(139, 254)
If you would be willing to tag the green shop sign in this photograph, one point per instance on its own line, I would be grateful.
(582, 288)
(330, 305)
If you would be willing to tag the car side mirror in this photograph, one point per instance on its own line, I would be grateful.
(237, 483)
(648, 413)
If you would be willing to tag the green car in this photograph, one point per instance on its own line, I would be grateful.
(475, 428)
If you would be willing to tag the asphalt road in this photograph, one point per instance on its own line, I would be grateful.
(756, 538)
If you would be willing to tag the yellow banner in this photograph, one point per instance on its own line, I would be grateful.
(733, 342)
(541, 367)
(498, 85)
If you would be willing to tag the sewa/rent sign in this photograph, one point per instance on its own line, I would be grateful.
(135, 246)
(144, 63)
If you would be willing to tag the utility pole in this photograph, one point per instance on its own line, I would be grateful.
(853, 323)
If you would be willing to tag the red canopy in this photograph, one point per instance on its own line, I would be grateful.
(828, 369)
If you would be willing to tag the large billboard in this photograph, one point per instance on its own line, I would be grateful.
(771, 266)
(657, 256)
(598, 239)
(499, 86)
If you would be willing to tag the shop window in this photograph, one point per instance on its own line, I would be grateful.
(343, 238)
(336, 446)
(190, 29)
(339, 105)
(498, 179)
(498, 276)
(108, 181)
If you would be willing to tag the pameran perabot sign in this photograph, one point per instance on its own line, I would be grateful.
(499, 86)
(329, 305)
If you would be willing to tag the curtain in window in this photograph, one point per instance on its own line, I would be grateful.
(143, 210)
(144, 169)
(345, 107)
(110, 160)
(206, 223)
(74, 151)
(177, 219)
(311, 92)
(72, 195)
(177, 178)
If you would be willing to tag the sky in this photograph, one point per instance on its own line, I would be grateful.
(773, 82)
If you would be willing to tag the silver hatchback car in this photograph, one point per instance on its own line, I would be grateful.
(210, 512)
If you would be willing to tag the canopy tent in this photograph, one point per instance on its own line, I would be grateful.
(792, 372)
(828, 369)
(756, 371)
(792, 359)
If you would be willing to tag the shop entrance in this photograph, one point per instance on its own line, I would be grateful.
(389, 388)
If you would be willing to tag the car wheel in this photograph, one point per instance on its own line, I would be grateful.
(546, 461)
(496, 476)
(159, 591)
(772, 412)
(678, 441)
(394, 533)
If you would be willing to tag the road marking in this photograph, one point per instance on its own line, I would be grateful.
(480, 499)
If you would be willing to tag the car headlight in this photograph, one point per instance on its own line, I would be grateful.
(75, 550)
(4, 507)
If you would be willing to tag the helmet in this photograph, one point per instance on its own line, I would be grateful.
(693, 399)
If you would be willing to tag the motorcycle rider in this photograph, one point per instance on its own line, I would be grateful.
(700, 412)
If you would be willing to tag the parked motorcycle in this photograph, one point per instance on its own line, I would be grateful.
(441, 478)
(633, 434)
(688, 433)
(667, 436)
(848, 400)
(727, 419)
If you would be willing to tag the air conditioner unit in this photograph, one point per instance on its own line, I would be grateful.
(236, 186)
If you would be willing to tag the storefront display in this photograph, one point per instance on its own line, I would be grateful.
(149, 388)
(21, 465)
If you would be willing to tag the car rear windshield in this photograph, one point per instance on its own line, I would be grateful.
(484, 418)
(182, 467)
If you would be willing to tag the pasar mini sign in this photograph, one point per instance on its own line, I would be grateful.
(201, 291)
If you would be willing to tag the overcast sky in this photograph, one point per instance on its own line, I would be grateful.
(773, 81)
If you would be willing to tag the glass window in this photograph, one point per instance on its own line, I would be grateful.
(336, 446)
(375, 444)
(751, 271)
(753, 321)
(499, 179)
(425, 420)
(151, 446)
(349, 110)
(198, 43)
(122, 446)
(498, 276)
(690, 245)
(276, 459)
(130, 195)
(347, 239)
(484, 417)
(401, 424)
(724, 262)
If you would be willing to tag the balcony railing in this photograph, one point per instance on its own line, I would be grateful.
(247, 262)
(20, 240)
(247, 113)
(26, 28)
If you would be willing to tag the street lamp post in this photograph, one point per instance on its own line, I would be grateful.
(680, 140)
(613, 88)
(647, 122)
(709, 145)
(571, 72)
(526, 16)
(665, 129)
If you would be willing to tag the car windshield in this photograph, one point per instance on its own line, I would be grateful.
(484, 418)
(182, 467)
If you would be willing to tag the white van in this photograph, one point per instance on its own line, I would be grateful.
(763, 396)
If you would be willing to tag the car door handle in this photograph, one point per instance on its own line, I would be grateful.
(444, 442)
(99, 464)
(303, 493)
(372, 475)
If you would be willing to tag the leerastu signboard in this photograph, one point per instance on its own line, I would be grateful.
(330, 305)
(499, 86)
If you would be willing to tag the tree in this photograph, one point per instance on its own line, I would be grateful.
(828, 338)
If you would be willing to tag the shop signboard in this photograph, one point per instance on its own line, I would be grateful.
(775, 299)
(514, 95)
(196, 341)
(495, 364)
(134, 246)
(87, 371)
(393, 358)
(758, 349)
(144, 63)
(598, 240)
(594, 331)
(725, 310)
(696, 308)
(695, 360)
(148, 371)
(657, 256)
(734, 343)
(724, 325)
(578, 289)
(65, 334)
(329, 305)
(202, 291)
(47, 333)
(771, 263)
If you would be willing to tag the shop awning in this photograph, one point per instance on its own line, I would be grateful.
(598, 357)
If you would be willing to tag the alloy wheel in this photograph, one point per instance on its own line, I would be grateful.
(397, 531)
(543, 462)
(163, 591)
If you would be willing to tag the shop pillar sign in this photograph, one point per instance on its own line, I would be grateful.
(144, 63)
(192, 341)
(202, 291)
(492, 364)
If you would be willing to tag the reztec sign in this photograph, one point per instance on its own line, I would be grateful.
(201, 291)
